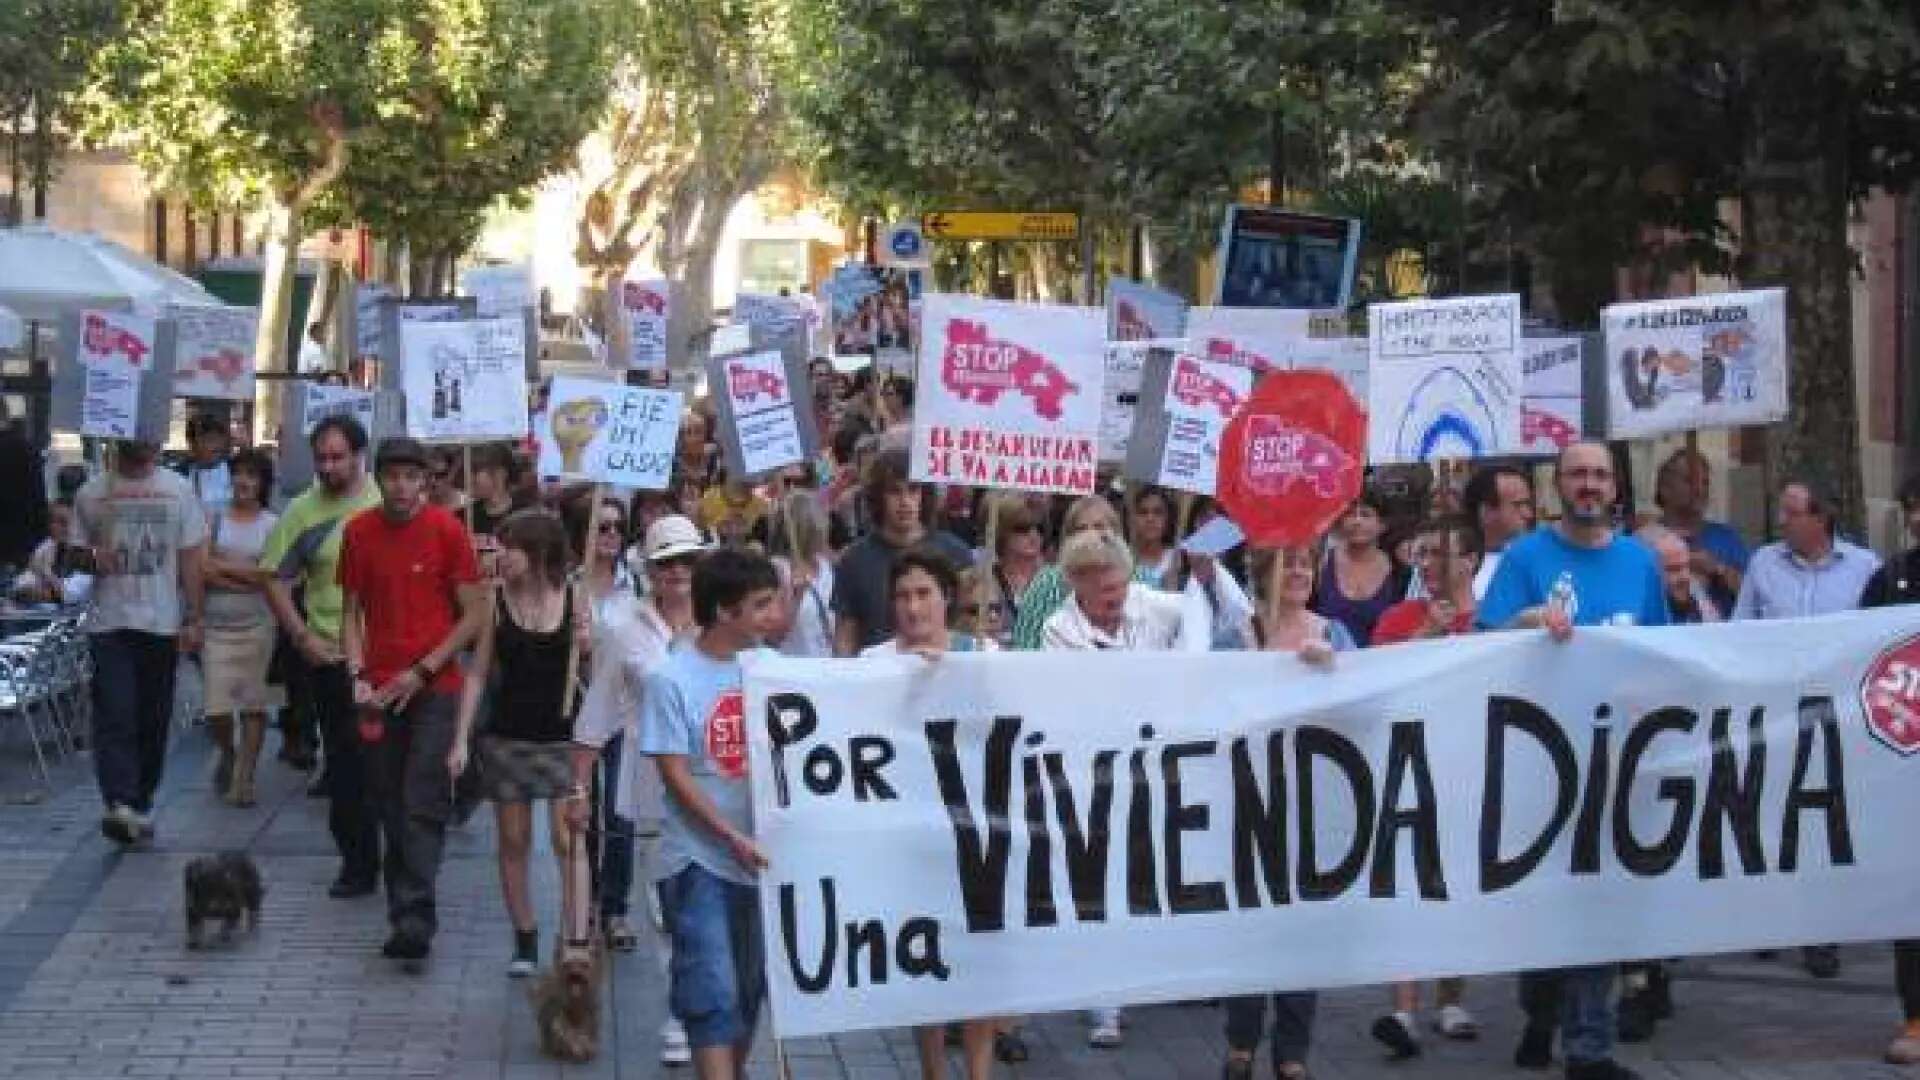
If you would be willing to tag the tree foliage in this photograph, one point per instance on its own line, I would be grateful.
(45, 47)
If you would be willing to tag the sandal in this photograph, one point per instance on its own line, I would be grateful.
(1009, 1048)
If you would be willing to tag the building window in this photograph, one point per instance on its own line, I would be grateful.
(767, 266)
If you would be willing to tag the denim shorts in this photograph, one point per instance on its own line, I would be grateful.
(718, 973)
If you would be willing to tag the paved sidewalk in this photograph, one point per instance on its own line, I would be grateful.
(95, 980)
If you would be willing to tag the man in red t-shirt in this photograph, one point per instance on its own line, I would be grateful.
(413, 596)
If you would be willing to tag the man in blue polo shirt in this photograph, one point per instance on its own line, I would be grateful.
(1577, 572)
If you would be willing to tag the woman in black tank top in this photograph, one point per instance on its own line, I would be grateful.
(521, 663)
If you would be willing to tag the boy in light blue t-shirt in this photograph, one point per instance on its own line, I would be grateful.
(692, 723)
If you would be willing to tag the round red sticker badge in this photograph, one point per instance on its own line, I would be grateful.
(1890, 693)
(1292, 458)
(727, 735)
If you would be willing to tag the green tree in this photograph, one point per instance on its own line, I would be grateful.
(45, 46)
(700, 119)
(1610, 132)
(411, 114)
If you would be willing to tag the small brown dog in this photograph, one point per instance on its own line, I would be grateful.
(225, 887)
(566, 1000)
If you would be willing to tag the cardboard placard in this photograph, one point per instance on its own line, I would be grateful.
(1444, 379)
(464, 381)
(1696, 362)
(1135, 312)
(213, 351)
(609, 433)
(755, 437)
(115, 376)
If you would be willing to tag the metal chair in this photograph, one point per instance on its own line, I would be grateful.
(25, 688)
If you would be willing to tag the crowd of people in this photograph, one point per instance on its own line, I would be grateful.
(420, 620)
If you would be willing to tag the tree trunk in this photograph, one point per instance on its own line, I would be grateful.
(282, 238)
(42, 156)
(1794, 217)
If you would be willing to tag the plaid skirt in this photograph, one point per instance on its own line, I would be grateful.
(512, 770)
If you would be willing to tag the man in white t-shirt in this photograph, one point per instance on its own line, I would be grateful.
(1499, 501)
(149, 535)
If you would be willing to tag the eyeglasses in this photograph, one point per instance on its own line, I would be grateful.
(612, 528)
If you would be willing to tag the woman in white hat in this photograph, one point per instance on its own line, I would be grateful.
(632, 635)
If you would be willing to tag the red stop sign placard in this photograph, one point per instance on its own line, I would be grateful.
(1292, 458)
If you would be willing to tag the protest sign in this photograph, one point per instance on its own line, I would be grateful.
(1262, 339)
(608, 433)
(761, 402)
(1345, 357)
(303, 405)
(1027, 833)
(213, 351)
(1274, 258)
(762, 309)
(1444, 379)
(115, 378)
(646, 305)
(395, 313)
(500, 291)
(1551, 401)
(1696, 362)
(875, 311)
(1198, 397)
(1292, 458)
(1136, 313)
(464, 381)
(1008, 395)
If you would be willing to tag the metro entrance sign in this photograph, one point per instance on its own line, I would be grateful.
(1001, 226)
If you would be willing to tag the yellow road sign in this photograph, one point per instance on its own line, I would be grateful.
(1000, 226)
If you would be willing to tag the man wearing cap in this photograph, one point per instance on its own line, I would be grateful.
(631, 636)
(149, 539)
(413, 598)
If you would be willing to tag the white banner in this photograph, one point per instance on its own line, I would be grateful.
(609, 433)
(1009, 395)
(1696, 362)
(1026, 833)
(646, 304)
(1443, 379)
(464, 381)
(213, 351)
(762, 408)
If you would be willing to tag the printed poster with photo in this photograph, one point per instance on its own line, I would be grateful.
(116, 350)
(1443, 380)
(1135, 313)
(875, 311)
(1695, 362)
(608, 433)
(464, 381)
(646, 304)
(1009, 395)
(213, 351)
(1552, 397)
(761, 404)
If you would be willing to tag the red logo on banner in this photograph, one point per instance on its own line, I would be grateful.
(747, 384)
(1538, 426)
(103, 339)
(978, 368)
(727, 735)
(641, 298)
(1891, 694)
(1129, 325)
(1292, 458)
(225, 365)
(1196, 388)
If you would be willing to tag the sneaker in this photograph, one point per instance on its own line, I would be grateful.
(1905, 1050)
(345, 887)
(1237, 1068)
(1536, 1047)
(1103, 1029)
(526, 954)
(1604, 1069)
(673, 1044)
(118, 825)
(1395, 1032)
(142, 825)
(620, 935)
(1637, 1017)
(1455, 1022)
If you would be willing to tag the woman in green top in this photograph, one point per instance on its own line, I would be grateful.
(1048, 591)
